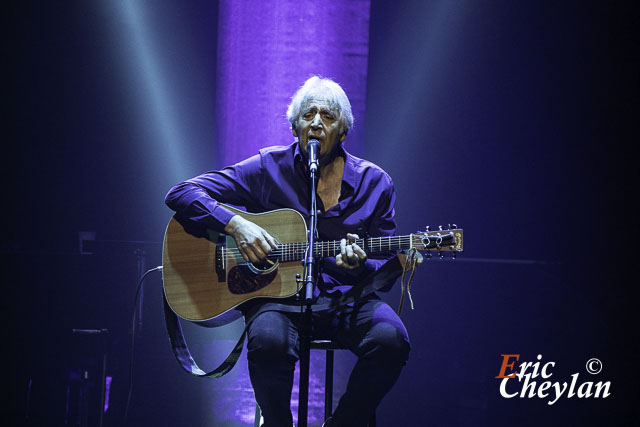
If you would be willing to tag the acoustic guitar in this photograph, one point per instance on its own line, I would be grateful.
(205, 278)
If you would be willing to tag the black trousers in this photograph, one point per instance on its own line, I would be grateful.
(369, 328)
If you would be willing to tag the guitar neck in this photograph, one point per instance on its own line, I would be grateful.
(449, 240)
(370, 245)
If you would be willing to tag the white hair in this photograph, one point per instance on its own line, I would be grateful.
(325, 89)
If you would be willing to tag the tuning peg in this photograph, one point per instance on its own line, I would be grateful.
(427, 254)
(428, 228)
(440, 227)
(454, 226)
(440, 254)
(453, 254)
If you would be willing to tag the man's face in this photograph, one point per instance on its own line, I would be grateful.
(317, 120)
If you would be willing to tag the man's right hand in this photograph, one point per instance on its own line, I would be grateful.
(252, 240)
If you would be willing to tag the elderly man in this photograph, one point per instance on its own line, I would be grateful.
(355, 197)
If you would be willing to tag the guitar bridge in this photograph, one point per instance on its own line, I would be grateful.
(221, 264)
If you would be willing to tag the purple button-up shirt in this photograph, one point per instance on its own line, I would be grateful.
(277, 178)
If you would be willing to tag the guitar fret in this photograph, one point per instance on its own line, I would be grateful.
(296, 251)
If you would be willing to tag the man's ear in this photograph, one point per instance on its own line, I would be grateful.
(343, 136)
(293, 131)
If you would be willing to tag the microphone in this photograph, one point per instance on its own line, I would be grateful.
(313, 149)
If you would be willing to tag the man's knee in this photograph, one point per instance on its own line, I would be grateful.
(270, 339)
(389, 343)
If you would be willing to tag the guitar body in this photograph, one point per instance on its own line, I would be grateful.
(205, 278)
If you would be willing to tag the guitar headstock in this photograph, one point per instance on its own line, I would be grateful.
(441, 240)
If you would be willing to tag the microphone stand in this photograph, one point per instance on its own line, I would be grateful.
(309, 286)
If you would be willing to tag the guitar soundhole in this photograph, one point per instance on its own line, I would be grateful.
(244, 281)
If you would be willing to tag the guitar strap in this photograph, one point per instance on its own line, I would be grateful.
(181, 351)
(385, 276)
(410, 263)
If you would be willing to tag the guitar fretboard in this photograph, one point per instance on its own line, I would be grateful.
(296, 251)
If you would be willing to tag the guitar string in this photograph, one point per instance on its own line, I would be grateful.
(287, 250)
(334, 245)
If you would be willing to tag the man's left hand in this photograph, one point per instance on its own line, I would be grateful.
(351, 255)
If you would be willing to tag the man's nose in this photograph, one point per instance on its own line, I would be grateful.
(317, 121)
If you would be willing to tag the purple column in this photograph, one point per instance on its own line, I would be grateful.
(266, 50)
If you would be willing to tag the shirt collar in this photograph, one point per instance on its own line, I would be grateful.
(349, 175)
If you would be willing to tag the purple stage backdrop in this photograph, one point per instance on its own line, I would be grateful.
(267, 50)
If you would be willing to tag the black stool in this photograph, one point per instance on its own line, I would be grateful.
(329, 347)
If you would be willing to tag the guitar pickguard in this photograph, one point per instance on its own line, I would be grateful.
(242, 280)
